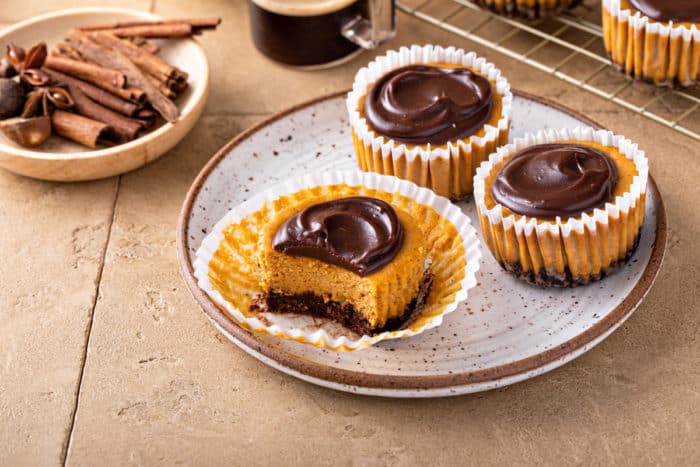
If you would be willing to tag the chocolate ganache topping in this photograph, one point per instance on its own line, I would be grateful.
(419, 104)
(550, 180)
(679, 11)
(359, 233)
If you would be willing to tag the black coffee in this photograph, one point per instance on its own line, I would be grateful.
(302, 40)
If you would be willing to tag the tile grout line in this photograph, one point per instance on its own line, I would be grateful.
(67, 443)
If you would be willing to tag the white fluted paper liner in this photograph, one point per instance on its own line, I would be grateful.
(436, 167)
(307, 329)
(620, 218)
(651, 50)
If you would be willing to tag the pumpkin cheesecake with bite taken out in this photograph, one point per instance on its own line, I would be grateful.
(355, 260)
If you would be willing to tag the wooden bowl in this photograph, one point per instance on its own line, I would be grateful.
(61, 160)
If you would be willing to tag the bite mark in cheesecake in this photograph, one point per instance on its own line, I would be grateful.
(358, 261)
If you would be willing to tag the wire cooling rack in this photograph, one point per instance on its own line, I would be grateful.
(568, 46)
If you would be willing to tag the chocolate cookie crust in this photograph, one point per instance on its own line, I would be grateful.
(340, 312)
(546, 280)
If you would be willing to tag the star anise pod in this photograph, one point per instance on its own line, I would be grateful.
(42, 99)
(33, 127)
(15, 56)
(28, 64)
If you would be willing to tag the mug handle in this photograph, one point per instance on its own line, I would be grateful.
(378, 28)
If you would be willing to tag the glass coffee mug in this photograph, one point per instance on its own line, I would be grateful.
(318, 33)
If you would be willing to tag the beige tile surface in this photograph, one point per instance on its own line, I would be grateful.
(52, 241)
(141, 370)
(161, 387)
(16, 10)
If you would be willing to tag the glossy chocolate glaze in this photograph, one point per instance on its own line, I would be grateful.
(678, 11)
(358, 233)
(555, 180)
(420, 104)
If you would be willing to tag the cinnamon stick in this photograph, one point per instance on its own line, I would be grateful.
(98, 95)
(118, 61)
(147, 118)
(86, 71)
(196, 24)
(78, 128)
(150, 47)
(137, 40)
(122, 129)
(65, 50)
(130, 94)
(134, 95)
(151, 64)
(155, 31)
(178, 87)
(162, 87)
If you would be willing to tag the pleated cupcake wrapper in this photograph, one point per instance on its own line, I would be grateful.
(527, 8)
(665, 53)
(447, 170)
(453, 269)
(588, 245)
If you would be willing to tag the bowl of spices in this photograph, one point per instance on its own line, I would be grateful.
(90, 93)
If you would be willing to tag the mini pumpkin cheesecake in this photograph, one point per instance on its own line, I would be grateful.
(527, 8)
(355, 260)
(429, 115)
(564, 208)
(654, 40)
(431, 104)
(310, 248)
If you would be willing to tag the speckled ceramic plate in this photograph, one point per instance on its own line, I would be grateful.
(507, 330)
